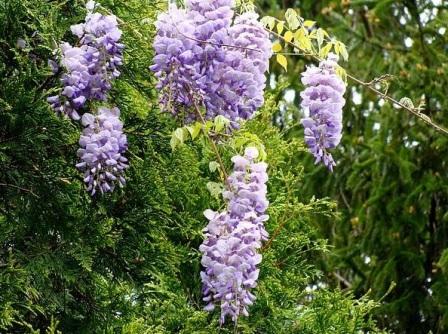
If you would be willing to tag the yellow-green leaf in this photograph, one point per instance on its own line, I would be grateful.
(292, 19)
(281, 59)
(309, 23)
(220, 123)
(302, 39)
(179, 134)
(344, 52)
(280, 27)
(342, 73)
(174, 142)
(194, 130)
(276, 47)
(323, 53)
(288, 36)
(268, 21)
(320, 37)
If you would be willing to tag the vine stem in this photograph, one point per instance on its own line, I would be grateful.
(212, 142)
(369, 85)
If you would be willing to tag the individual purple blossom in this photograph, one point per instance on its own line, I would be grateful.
(103, 144)
(232, 238)
(323, 99)
(204, 58)
(88, 69)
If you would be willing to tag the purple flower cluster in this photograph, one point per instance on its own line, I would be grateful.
(89, 68)
(102, 146)
(230, 250)
(204, 56)
(324, 99)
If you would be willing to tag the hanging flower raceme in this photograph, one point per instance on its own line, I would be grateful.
(230, 250)
(323, 99)
(103, 144)
(89, 69)
(202, 58)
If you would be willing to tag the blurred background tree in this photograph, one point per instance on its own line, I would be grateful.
(390, 183)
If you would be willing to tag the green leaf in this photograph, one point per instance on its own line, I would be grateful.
(174, 142)
(302, 39)
(220, 123)
(194, 130)
(179, 134)
(215, 189)
(213, 166)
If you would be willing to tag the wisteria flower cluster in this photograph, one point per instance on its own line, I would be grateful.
(232, 238)
(324, 99)
(205, 56)
(102, 146)
(88, 71)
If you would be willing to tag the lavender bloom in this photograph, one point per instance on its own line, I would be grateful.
(200, 55)
(89, 68)
(102, 32)
(103, 144)
(248, 33)
(323, 98)
(176, 63)
(229, 252)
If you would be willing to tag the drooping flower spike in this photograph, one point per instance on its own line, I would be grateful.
(201, 56)
(88, 69)
(233, 237)
(102, 146)
(323, 99)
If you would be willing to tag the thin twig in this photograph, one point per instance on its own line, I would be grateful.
(280, 227)
(20, 188)
(425, 118)
(212, 142)
(274, 235)
(342, 280)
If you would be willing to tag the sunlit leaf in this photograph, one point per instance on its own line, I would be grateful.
(276, 47)
(309, 23)
(288, 36)
(292, 19)
(281, 59)
(323, 53)
(280, 27)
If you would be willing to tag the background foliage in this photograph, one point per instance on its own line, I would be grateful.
(128, 262)
(390, 184)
